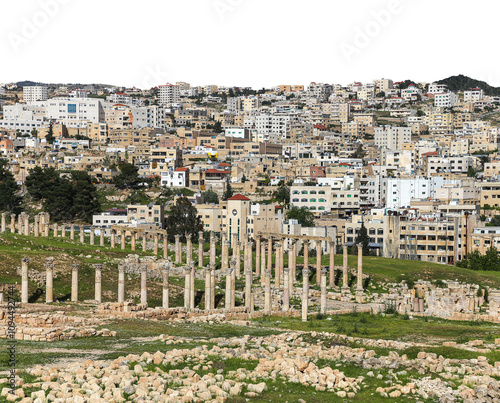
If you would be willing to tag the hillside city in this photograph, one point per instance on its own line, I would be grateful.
(300, 243)
(400, 158)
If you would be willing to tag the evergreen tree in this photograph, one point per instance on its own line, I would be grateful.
(128, 177)
(183, 218)
(282, 194)
(10, 201)
(49, 138)
(210, 197)
(85, 201)
(364, 239)
(228, 191)
(302, 215)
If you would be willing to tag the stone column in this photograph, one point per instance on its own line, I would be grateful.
(267, 292)
(257, 256)
(92, 235)
(248, 288)
(208, 289)
(178, 250)
(305, 294)
(323, 290)
(132, 241)
(270, 253)
(277, 265)
(359, 276)
(166, 286)
(291, 262)
(24, 280)
(121, 282)
(200, 249)
(144, 284)
(332, 264)
(165, 246)
(237, 256)
(63, 231)
(13, 223)
(225, 255)
(189, 248)
(155, 243)
(212, 250)
(318, 262)
(112, 239)
(191, 285)
(345, 273)
(4, 221)
(222, 246)
(101, 237)
(36, 227)
(72, 232)
(228, 297)
(144, 242)
(82, 234)
(74, 282)
(212, 286)
(306, 254)
(55, 231)
(187, 287)
(98, 276)
(123, 239)
(47, 229)
(233, 282)
(286, 289)
(234, 239)
(262, 262)
(49, 282)
(27, 225)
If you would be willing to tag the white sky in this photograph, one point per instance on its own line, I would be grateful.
(259, 43)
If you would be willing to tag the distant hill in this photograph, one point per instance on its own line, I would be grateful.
(464, 83)
(27, 83)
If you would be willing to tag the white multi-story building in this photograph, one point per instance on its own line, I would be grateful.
(169, 94)
(392, 137)
(273, 128)
(474, 95)
(35, 93)
(435, 88)
(397, 193)
(178, 177)
(74, 112)
(445, 100)
(148, 116)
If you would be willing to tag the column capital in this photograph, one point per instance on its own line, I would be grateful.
(324, 271)
(76, 266)
(25, 260)
(305, 272)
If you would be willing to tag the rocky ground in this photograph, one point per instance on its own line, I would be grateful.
(325, 366)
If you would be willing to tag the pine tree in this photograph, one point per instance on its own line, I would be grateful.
(364, 239)
(228, 191)
(49, 138)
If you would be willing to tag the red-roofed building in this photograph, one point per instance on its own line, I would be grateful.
(239, 197)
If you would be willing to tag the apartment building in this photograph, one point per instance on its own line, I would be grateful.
(74, 112)
(168, 94)
(490, 194)
(151, 214)
(35, 93)
(445, 100)
(392, 137)
(473, 95)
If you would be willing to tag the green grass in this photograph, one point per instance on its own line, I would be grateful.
(389, 327)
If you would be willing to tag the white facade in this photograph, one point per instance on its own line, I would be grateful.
(75, 112)
(174, 178)
(445, 100)
(35, 93)
(435, 88)
(392, 137)
(397, 193)
(148, 116)
(474, 95)
(169, 94)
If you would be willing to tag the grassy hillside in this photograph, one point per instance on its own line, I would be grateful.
(13, 247)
